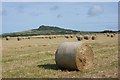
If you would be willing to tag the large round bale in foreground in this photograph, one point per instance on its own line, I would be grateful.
(74, 56)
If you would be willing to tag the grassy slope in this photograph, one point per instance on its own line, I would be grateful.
(34, 58)
(42, 30)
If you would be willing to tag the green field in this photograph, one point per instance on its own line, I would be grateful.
(35, 58)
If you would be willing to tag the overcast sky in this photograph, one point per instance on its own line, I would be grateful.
(83, 16)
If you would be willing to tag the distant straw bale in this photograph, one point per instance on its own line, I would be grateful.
(7, 38)
(111, 35)
(19, 38)
(50, 37)
(86, 37)
(28, 37)
(66, 37)
(108, 35)
(93, 37)
(114, 34)
(79, 38)
(54, 37)
(71, 36)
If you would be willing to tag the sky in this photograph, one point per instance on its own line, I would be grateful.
(82, 16)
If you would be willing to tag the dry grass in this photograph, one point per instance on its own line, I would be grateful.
(34, 58)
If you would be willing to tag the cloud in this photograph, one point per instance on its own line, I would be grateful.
(54, 8)
(95, 10)
(59, 16)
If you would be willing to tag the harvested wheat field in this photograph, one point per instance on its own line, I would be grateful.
(35, 58)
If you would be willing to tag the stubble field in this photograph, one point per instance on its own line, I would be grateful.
(35, 58)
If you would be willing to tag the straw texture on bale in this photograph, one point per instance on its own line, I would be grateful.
(74, 56)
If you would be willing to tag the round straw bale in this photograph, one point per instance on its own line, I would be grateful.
(93, 37)
(86, 37)
(50, 37)
(108, 34)
(79, 38)
(18, 38)
(28, 37)
(74, 56)
(111, 35)
(42, 37)
(7, 38)
(67, 37)
(71, 36)
(54, 36)
(114, 34)
(46, 37)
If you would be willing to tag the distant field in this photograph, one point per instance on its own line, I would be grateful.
(35, 58)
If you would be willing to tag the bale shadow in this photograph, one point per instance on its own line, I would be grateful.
(49, 66)
(53, 67)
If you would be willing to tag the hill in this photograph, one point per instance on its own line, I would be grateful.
(42, 30)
